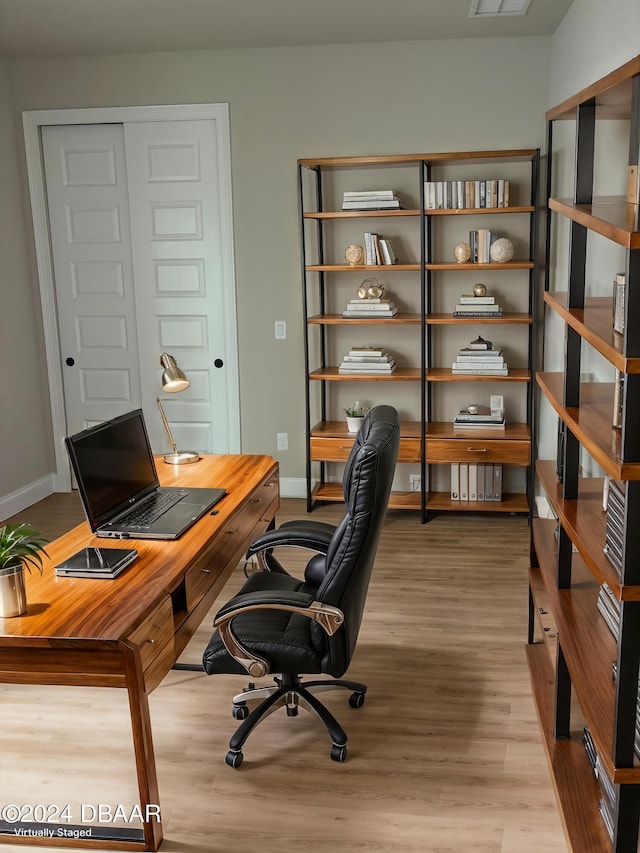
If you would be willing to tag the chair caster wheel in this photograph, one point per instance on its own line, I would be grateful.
(339, 753)
(292, 711)
(234, 759)
(240, 712)
(356, 700)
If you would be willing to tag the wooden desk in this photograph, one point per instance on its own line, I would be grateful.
(129, 632)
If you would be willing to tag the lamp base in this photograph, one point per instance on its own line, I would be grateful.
(182, 457)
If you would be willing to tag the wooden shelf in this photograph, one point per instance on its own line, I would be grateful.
(575, 786)
(445, 374)
(506, 319)
(444, 430)
(610, 216)
(523, 264)
(361, 268)
(332, 492)
(591, 423)
(588, 645)
(513, 155)
(401, 374)
(339, 320)
(594, 324)
(377, 214)
(584, 521)
(611, 95)
(338, 429)
(512, 503)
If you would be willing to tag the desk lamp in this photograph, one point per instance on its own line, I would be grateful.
(174, 380)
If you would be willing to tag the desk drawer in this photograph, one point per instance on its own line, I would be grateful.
(231, 541)
(478, 450)
(338, 449)
(154, 638)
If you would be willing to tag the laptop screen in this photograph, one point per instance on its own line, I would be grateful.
(113, 465)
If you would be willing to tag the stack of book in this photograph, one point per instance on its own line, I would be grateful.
(480, 242)
(456, 195)
(378, 251)
(370, 307)
(482, 417)
(477, 306)
(609, 608)
(607, 803)
(614, 530)
(371, 200)
(479, 362)
(619, 292)
(371, 361)
(476, 481)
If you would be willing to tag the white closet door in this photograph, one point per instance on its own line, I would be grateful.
(174, 198)
(88, 203)
(140, 225)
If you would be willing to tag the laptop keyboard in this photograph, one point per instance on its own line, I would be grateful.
(151, 509)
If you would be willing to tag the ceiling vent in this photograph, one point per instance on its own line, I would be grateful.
(497, 8)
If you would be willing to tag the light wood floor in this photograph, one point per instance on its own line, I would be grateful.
(444, 757)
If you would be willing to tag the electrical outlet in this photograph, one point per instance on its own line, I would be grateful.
(281, 330)
(415, 482)
(282, 441)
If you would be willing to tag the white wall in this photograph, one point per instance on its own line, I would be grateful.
(286, 104)
(25, 452)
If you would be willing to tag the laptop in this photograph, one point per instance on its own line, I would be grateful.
(119, 487)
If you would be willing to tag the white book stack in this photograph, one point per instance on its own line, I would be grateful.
(369, 361)
(371, 200)
(483, 362)
(482, 417)
(371, 307)
(477, 306)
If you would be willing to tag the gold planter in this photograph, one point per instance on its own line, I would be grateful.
(13, 596)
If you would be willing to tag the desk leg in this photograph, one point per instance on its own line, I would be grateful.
(143, 748)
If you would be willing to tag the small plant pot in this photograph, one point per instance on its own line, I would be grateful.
(13, 596)
(354, 424)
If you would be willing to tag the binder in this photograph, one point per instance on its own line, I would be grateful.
(473, 481)
(464, 481)
(497, 482)
(488, 481)
(481, 475)
(455, 481)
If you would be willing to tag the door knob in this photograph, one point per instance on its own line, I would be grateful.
(218, 362)
(70, 362)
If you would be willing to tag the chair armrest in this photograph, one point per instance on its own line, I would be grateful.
(329, 618)
(314, 535)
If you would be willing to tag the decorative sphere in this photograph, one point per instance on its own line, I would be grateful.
(462, 253)
(479, 289)
(501, 251)
(354, 255)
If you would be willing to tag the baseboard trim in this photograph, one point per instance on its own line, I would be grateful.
(293, 487)
(27, 496)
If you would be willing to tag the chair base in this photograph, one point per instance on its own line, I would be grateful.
(290, 692)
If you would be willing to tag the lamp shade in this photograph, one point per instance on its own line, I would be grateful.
(173, 379)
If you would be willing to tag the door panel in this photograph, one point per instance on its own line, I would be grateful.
(88, 203)
(175, 212)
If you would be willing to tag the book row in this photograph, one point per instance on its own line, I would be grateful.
(371, 200)
(476, 481)
(378, 251)
(458, 195)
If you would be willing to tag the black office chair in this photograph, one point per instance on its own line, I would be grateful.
(280, 624)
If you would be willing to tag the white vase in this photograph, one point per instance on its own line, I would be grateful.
(13, 596)
(354, 424)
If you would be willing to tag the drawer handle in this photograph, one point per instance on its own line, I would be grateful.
(256, 500)
(150, 640)
(231, 532)
(206, 571)
(477, 449)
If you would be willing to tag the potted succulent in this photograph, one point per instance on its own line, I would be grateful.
(355, 415)
(20, 547)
